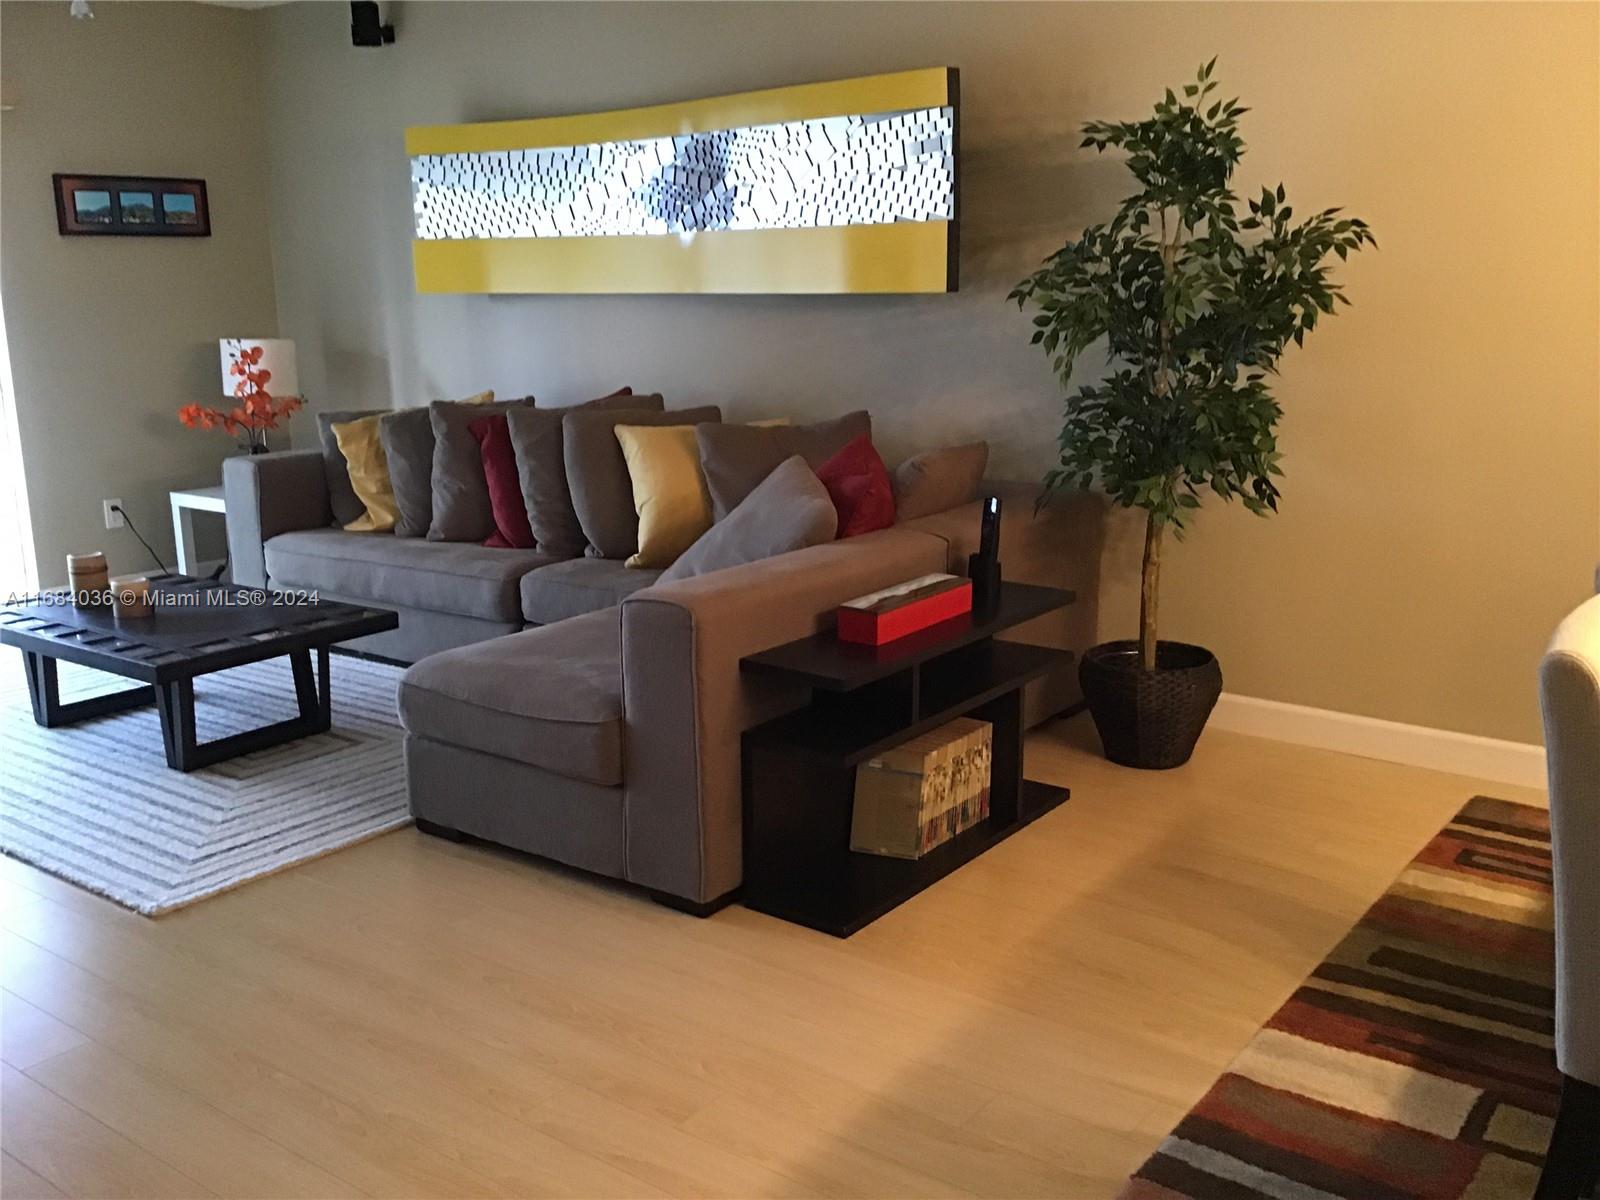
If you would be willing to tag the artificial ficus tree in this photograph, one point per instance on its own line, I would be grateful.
(1196, 302)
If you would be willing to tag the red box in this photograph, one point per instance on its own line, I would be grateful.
(875, 628)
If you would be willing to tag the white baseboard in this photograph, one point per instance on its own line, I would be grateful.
(1416, 745)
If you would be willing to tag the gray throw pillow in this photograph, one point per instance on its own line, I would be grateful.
(341, 496)
(407, 440)
(597, 473)
(737, 457)
(542, 471)
(938, 480)
(460, 492)
(788, 510)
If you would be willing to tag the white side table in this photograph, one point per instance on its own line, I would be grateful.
(184, 505)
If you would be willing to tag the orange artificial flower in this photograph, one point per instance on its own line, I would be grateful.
(257, 409)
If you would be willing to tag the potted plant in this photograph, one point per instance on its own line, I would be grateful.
(1196, 302)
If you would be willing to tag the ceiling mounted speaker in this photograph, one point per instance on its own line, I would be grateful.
(366, 25)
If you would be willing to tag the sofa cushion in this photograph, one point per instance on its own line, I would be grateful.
(789, 510)
(737, 457)
(937, 480)
(407, 437)
(342, 497)
(549, 697)
(369, 474)
(378, 568)
(669, 493)
(461, 511)
(505, 493)
(602, 492)
(859, 484)
(542, 469)
(578, 586)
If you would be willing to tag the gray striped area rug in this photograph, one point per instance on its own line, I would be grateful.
(96, 804)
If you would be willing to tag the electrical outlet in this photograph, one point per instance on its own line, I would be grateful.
(113, 511)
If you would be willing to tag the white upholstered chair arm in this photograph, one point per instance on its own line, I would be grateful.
(1569, 694)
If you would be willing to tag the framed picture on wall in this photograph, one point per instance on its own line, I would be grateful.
(131, 206)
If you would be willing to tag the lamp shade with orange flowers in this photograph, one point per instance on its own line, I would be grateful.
(259, 375)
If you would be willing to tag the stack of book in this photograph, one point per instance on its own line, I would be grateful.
(923, 792)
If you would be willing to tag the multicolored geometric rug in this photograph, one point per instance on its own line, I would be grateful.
(1417, 1061)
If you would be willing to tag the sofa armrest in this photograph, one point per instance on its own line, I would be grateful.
(1060, 546)
(686, 703)
(1569, 696)
(269, 494)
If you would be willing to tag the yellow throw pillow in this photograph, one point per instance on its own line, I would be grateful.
(669, 492)
(369, 474)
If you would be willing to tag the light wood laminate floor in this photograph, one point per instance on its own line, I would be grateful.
(414, 1018)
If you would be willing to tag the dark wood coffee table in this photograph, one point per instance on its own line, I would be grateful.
(199, 627)
(800, 769)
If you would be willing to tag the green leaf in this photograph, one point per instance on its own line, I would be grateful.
(1191, 332)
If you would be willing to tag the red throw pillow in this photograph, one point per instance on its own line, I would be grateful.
(511, 528)
(858, 483)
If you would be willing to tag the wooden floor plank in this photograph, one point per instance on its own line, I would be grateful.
(699, 1028)
(342, 1138)
(29, 1035)
(411, 1017)
(333, 1053)
(20, 1182)
(77, 1154)
(218, 1152)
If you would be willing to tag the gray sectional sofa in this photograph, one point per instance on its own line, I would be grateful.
(577, 710)
(448, 594)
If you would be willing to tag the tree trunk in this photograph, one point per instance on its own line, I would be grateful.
(1149, 591)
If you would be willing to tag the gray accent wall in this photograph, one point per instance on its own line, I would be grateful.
(931, 368)
(1442, 441)
(1442, 438)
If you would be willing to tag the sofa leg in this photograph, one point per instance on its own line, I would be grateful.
(439, 831)
(694, 907)
(1573, 1162)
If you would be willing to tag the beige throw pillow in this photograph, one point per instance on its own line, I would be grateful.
(938, 480)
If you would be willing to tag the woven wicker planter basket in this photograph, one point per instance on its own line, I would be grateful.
(1150, 719)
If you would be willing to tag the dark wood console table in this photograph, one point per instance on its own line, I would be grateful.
(799, 770)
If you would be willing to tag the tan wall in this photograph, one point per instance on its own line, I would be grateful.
(1443, 437)
(109, 336)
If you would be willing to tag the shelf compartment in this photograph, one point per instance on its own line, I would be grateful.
(859, 725)
(841, 895)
